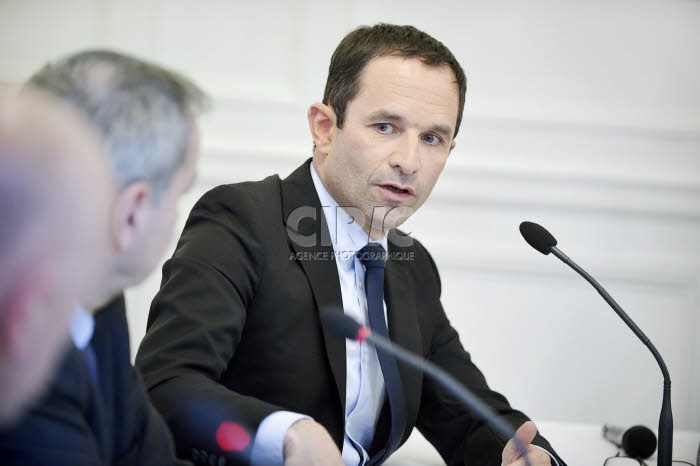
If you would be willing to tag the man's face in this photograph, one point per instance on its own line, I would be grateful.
(395, 140)
(155, 232)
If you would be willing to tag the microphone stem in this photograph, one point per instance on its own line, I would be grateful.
(665, 452)
(481, 409)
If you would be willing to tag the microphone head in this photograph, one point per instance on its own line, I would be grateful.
(538, 237)
(340, 324)
(639, 442)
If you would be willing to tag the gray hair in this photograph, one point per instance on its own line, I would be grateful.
(143, 112)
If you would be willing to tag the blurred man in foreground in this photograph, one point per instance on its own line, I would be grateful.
(98, 411)
(55, 192)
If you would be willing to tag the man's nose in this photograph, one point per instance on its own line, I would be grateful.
(405, 156)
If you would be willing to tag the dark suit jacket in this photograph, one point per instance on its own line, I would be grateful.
(234, 333)
(83, 421)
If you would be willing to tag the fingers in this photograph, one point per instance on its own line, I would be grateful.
(526, 433)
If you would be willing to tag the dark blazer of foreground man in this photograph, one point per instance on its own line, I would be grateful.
(234, 333)
(88, 420)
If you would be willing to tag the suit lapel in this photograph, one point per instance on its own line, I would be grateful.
(309, 238)
(110, 343)
(93, 407)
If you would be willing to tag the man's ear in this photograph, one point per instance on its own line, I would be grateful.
(129, 212)
(452, 146)
(322, 123)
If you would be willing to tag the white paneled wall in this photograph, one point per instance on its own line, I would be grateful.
(584, 116)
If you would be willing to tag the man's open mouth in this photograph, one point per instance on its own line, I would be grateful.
(395, 189)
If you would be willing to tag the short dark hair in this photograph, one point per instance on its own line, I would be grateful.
(366, 43)
(141, 110)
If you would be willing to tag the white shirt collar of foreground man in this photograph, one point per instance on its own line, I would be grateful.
(82, 327)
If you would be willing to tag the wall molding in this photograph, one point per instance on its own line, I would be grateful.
(472, 182)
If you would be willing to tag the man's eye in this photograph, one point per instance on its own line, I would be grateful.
(432, 139)
(385, 127)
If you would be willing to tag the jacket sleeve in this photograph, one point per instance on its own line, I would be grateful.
(196, 323)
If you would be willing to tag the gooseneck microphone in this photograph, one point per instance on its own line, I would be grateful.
(346, 327)
(542, 240)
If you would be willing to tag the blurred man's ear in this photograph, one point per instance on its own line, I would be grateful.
(322, 123)
(129, 213)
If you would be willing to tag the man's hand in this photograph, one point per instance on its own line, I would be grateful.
(308, 443)
(526, 433)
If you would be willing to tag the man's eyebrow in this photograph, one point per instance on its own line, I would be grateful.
(385, 115)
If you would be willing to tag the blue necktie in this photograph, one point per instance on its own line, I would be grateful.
(372, 257)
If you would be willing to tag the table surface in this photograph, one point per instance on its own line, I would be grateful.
(578, 444)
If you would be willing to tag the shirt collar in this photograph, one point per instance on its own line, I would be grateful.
(347, 236)
(82, 327)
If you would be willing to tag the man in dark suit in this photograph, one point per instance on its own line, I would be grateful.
(97, 410)
(236, 322)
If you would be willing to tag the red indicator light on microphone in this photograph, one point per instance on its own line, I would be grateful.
(363, 333)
